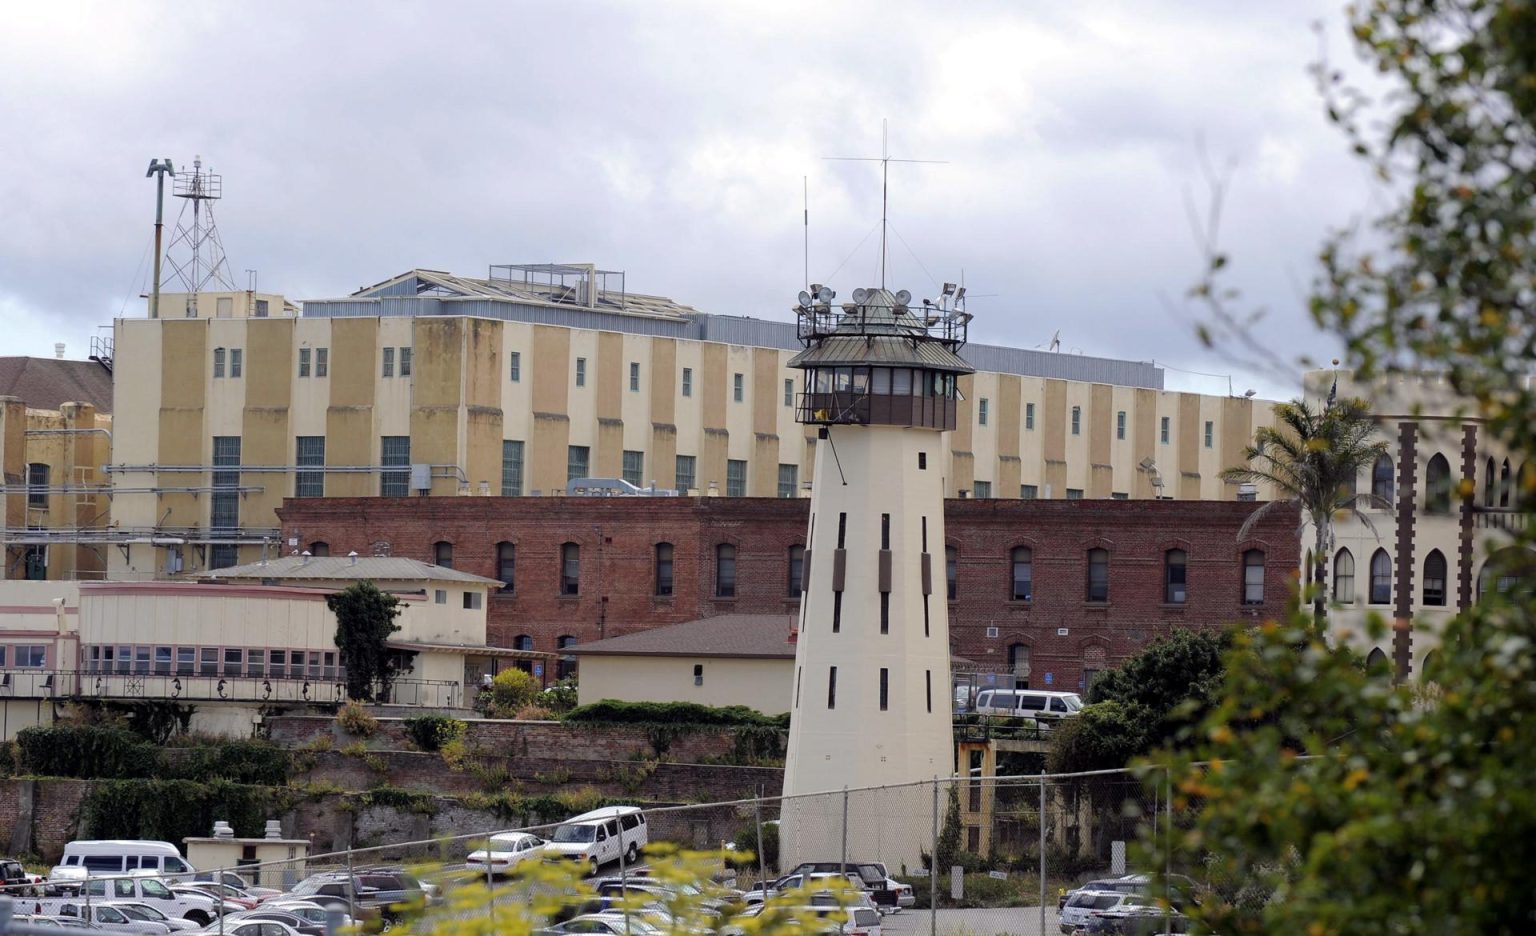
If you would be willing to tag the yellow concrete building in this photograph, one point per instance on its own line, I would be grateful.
(514, 384)
(55, 443)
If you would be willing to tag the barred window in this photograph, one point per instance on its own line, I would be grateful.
(735, 478)
(687, 478)
(578, 460)
(309, 452)
(511, 468)
(634, 468)
(395, 452)
(789, 480)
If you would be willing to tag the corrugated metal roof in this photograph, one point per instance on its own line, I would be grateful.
(346, 569)
(431, 292)
(881, 349)
(763, 636)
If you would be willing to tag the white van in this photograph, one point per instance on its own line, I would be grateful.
(600, 836)
(1035, 703)
(108, 857)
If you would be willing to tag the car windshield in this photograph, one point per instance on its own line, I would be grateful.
(1074, 703)
(569, 834)
(510, 843)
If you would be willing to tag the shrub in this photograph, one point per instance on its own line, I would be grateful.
(511, 690)
(256, 762)
(768, 848)
(355, 719)
(559, 698)
(431, 732)
(86, 752)
(534, 712)
(171, 810)
(673, 713)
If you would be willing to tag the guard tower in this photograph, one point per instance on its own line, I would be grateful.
(871, 702)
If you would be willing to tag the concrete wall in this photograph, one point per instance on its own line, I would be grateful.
(760, 684)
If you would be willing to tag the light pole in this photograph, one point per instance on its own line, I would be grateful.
(159, 168)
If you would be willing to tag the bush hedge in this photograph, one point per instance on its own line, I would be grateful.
(171, 810)
(673, 713)
(432, 732)
(85, 752)
(103, 752)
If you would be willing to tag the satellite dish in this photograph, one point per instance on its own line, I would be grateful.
(805, 298)
(825, 294)
(903, 297)
(859, 295)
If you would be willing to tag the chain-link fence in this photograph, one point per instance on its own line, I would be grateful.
(978, 854)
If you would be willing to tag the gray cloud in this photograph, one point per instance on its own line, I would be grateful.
(671, 140)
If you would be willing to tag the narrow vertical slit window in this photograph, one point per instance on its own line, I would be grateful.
(837, 612)
(832, 687)
(842, 530)
(885, 612)
(885, 531)
(928, 688)
(885, 689)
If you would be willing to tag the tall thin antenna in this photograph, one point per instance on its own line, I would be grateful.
(806, 182)
(885, 160)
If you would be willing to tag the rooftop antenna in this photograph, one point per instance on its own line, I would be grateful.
(206, 264)
(805, 181)
(885, 160)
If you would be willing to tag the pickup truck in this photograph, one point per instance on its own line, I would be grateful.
(197, 908)
(113, 919)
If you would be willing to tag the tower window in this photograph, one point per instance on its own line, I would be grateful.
(885, 689)
(832, 687)
(570, 569)
(1253, 577)
(1098, 575)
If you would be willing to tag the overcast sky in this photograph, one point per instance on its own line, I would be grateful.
(670, 140)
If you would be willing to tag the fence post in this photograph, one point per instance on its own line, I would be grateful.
(490, 877)
(351, 886)
(762, 864)
(1168, 847)
(1042, 851)
(933, 867)
(844, 868)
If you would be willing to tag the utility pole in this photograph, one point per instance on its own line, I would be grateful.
(159, 168)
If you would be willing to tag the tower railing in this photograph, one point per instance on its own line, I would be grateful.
(949, 327)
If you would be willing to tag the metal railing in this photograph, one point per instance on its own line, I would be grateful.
(320, 689)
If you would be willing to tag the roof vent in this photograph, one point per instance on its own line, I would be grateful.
(223, 830)
(353, 556)
(58, 350)
(274, 829)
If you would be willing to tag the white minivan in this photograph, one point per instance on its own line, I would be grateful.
(109, 857)
(600, 836)
(1035, 703)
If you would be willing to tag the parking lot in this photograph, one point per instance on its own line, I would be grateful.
(1017, 921)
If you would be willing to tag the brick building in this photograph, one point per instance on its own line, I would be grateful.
(1049, 589)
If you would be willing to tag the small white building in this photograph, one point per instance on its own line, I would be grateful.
(246, 637)
(733, 659)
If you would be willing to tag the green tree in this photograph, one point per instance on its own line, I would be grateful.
(512, 690)
(1333, 801)
(365, 620)
(1311, 457)
(1102, 736)
(1171, 683)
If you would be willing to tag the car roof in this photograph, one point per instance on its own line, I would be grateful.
(606, 812)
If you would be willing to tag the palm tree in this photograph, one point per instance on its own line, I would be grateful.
(1311, 458)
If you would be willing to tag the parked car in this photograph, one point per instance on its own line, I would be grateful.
(1139, 921)
(1082, 904)
(1038, 703)
(608, 923)
(199, 908)
(235, 882)
(600, 836)
(311, 910)
(263, 915)
(883, 890)
(142, 911)
(1182, 889)
(813, 881)
(232, 900)
(15, 877)
(111, 918)
(259, 928)
(505, 852)
(98, 857)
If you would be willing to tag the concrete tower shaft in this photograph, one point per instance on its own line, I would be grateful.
(871, 702)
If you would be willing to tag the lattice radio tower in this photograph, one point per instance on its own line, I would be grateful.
(196, 252)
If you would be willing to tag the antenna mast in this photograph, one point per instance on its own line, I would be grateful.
(203, 262)
(885, 160)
